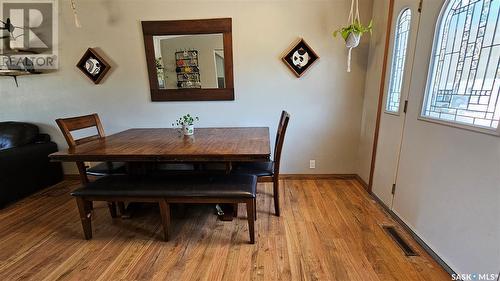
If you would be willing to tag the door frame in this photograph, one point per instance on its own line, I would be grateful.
(381, 92)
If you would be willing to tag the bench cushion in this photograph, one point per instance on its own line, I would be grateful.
(210, 186)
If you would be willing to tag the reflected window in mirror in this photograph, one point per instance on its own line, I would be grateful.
(219, 68)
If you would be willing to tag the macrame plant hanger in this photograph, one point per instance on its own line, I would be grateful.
(352, 40)
(75, 15)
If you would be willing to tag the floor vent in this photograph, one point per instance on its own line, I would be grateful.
(407, 249)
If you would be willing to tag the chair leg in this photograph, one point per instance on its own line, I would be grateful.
(165, 217)
(276, 195)
(235, 210)
(251, 220)
(84, 207)
(255, 208)
(112, 209)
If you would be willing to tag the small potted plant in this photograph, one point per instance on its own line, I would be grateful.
(352, 35)
(187, 124)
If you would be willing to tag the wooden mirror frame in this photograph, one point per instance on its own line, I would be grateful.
(182, 27)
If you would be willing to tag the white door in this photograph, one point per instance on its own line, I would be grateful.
(449, 172)
(403, 38)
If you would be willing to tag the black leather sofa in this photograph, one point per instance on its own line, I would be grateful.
(24, 164)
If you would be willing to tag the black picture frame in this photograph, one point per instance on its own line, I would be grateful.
(97, 61)
(300, 58)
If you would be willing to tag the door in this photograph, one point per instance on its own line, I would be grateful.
(448, 178)
(403, 38)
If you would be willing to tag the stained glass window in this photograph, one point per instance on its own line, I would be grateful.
(398, 61)
(465, 75)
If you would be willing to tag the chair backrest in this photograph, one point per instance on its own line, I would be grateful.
(67, 125)
(280, 139)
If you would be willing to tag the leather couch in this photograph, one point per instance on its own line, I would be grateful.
(24, 164)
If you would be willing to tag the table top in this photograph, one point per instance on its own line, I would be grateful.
(168, 144)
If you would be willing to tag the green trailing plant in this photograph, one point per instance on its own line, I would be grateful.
(356, 27)
(186, 120)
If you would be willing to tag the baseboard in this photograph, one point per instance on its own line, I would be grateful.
(317, 176)
(419, 241)
(363, 183)
(282, 176)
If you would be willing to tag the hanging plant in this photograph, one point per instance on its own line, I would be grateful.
(352, 33)
(356, 28)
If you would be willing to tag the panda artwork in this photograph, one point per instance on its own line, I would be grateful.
(300, 58)
(93, 66)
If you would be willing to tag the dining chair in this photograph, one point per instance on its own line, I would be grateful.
(269, 171)
(68, 125)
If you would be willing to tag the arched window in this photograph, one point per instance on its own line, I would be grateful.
(398, 61)
(464, 78)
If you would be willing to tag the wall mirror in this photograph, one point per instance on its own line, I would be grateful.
(189, 60)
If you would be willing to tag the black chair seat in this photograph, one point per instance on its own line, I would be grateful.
(103, 169)
(259, 169)
(223, 186)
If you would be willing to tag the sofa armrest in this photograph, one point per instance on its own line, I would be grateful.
(27, 151)
(41, 138)
(26, 169)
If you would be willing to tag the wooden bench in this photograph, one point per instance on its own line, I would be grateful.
(231, 189)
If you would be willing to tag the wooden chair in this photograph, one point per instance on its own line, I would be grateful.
(68, 125)
(269, 171)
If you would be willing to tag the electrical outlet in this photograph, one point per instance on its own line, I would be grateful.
(312, 164)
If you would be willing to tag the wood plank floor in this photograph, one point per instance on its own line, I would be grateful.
(329, 230)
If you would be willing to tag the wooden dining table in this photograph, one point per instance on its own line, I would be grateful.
(139, 146)
(240, 144)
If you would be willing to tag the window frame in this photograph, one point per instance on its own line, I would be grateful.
(403, 76)
(432, 61)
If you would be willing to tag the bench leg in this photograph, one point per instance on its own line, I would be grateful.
(85, 207)
(251, 220)
(112, 209)
(165, 217)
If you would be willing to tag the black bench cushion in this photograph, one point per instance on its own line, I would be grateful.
(173, 186)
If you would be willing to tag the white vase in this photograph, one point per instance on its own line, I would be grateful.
(352, 40)
(188, 130)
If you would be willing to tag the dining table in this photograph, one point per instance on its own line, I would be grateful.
(156, 145)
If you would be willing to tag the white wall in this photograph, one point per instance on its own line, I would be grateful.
(325, 104)
(372, 88)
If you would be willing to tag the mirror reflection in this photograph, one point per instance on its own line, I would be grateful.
(190, 61)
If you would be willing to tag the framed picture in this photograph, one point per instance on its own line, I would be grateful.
(300, 58)
(93, 65)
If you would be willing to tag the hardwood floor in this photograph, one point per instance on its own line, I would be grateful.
(328, 230)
